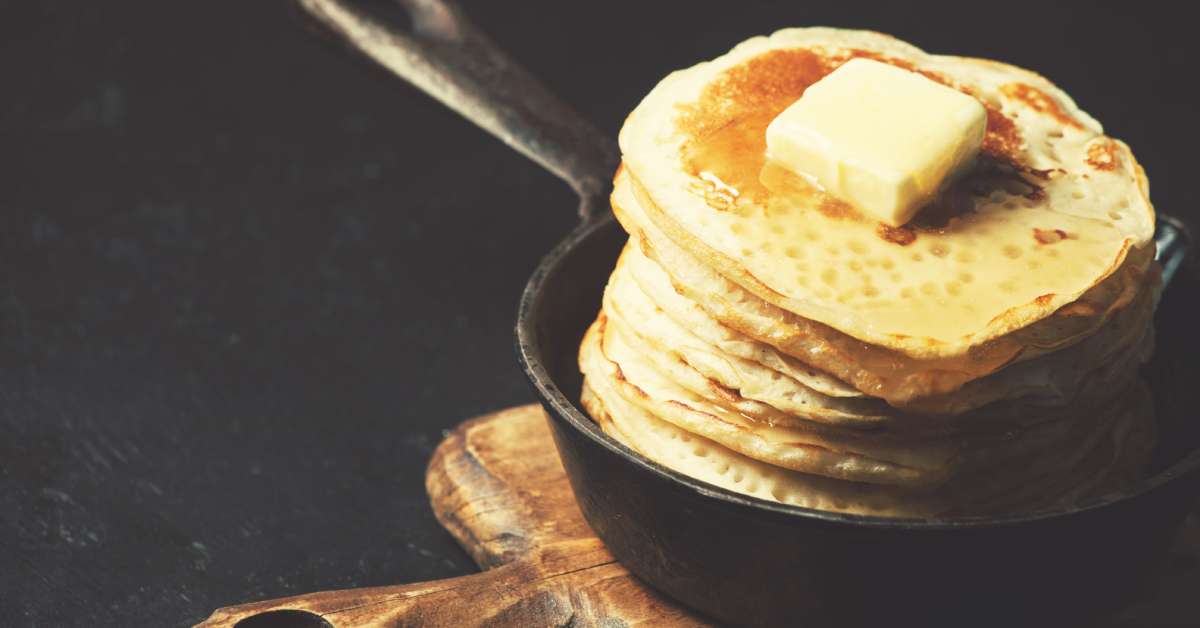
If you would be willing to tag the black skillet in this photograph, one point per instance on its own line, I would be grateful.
(745, 560)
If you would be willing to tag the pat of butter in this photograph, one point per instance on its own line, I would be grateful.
(879, 137)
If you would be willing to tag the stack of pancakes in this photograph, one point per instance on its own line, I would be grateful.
(762, 336)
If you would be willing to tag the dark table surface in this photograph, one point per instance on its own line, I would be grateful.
(247, 281)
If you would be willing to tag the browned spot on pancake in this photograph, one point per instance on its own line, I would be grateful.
(726, 127)
(1078, 308)
(770, 81)
(678, 404)
(618, 374)
(1102, 155)
(1049, 236)
(831, 207)
(1039, 101)
(1002, 140)
(728, 394)
(1044, 299)
(896, 235)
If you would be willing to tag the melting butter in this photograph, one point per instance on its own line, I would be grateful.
(881, 138)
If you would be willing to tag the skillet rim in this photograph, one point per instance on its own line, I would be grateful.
(528, 354)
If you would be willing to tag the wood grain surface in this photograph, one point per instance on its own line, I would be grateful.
(497, 485)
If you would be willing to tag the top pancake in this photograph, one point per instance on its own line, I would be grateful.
(1052, 209)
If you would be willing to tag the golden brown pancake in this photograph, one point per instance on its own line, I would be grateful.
(762, 336)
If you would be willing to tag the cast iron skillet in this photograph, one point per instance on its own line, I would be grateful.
(736, 558)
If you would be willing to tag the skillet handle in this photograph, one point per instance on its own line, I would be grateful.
(445, 56)
(1174, 242)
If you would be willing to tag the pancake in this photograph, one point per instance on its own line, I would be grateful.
(872, 370)
(640, 384)
(671, 390)
(656, 284)
(709, 462)
(762, 336)
(1113, 458)
(1051, 187)
(624, 299)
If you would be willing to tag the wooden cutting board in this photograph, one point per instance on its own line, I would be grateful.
(497, 485)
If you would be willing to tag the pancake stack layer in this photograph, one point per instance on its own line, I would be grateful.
(767, 338)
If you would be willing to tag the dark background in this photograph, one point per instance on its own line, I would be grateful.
(247, 280)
